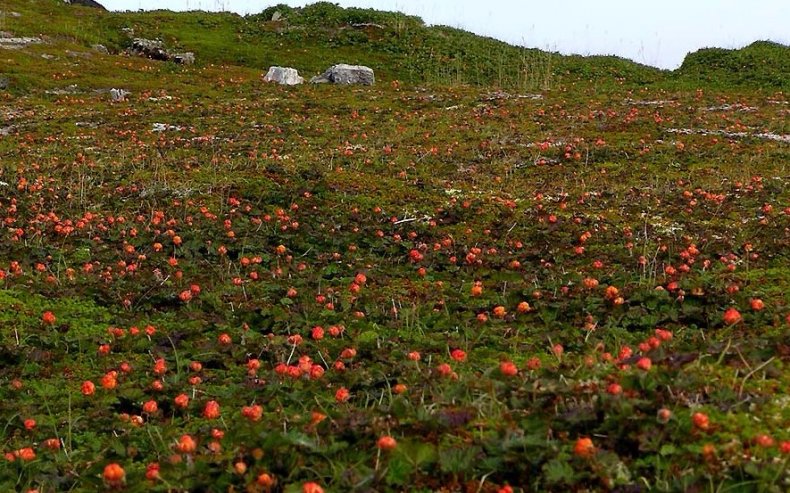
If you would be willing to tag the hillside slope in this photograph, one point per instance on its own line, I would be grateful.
(398, 46)
(213, 283)
(762, 64)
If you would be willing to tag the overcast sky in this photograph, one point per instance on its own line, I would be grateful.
(658, 33)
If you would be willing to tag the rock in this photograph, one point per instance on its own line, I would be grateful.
(276, 16)
(68, 90)
(86, 3)
(163, 127)
(18, 42)
(118, 95)
(100, 49)
(346, 74)
(283, 75)
(149, 48)
(79, 54)
(4, 83)
(186, 58)
(155, 50)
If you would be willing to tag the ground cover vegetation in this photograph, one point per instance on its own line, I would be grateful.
(498, 269)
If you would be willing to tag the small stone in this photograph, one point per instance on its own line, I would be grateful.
(118, 95)
(187, 58)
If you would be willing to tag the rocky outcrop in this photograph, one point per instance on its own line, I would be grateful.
(86, 3)
(283, 75)
(155, 50)
(8, 41)
(149, 48)
(346, 74)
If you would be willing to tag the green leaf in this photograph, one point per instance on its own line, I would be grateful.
(367, 337)
(455, 460)
(399, 470)
(558, 472)
(418, 454)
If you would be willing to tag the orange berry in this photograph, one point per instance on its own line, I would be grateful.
(312, 488)
(186, 444)
(584, 447)
(386, 443)
(211, 410)
(644, 364)
(88, 388)
(265, 479)
(342, 394)
(114, 474)
(508, 368)
(150, 407)
(26, 454)
(48, 318)
(731, 316)
(701, 421)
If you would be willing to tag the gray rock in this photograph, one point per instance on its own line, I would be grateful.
(276, 16)
(70, 89)
(100, 49)
(86, 3)
(149, 48)
(346, 74)
(163, 127)
(155, 50)
(18, 42)
(118, 95)
(4, 83)
(283, 75)
(186, 58)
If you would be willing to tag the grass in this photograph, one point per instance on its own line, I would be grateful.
(563, 264)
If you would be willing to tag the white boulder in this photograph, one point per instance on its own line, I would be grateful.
(283, 75)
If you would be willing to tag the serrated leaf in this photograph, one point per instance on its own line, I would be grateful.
(558, 472)
(399, 470)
